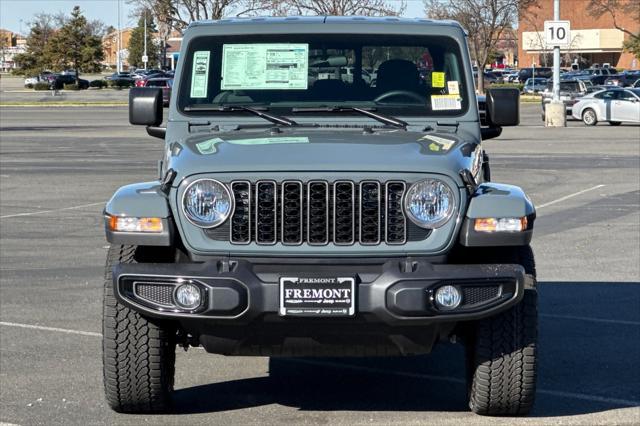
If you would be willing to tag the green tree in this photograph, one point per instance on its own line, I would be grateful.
(76, 45)
(136, 42)
(36, 59)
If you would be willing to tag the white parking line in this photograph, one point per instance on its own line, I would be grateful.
(52, 211)
(601, 320)
(566, 197)
(449, 379)
(43, 328)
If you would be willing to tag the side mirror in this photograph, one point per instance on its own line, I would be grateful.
(503, 107)
(145, 106)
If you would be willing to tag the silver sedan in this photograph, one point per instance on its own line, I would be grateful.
(613, 105)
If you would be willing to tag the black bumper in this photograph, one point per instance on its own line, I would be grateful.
(398, 292)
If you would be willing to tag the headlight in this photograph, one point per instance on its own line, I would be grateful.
(207, 203)
(429, 203)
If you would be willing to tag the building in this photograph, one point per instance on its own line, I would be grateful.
(11, 44)
(110, 48)
(593, 41)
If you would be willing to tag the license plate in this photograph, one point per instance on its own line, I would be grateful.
(317, 296)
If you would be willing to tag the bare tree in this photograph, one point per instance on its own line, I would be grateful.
(614, 9)
(485, 20)
(346, 7)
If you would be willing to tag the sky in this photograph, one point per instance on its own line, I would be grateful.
(15, 14)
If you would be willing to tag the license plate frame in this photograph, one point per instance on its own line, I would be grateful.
(309, 300)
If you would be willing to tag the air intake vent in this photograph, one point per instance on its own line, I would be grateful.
(266, 207)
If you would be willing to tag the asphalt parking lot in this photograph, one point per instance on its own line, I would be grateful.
(58, 166)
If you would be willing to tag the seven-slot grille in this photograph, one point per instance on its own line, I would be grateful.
(318, 212)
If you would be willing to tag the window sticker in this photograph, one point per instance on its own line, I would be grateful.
(265, 66)
(445, 102)
(437, 143)
(437, 79)
(454, 88)
(200, 74)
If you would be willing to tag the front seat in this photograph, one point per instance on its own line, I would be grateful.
(397, 74)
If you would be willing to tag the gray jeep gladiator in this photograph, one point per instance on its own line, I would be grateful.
(300, 213)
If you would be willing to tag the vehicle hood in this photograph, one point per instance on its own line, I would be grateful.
(326, 150)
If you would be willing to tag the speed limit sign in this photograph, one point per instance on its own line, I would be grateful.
(557, 33)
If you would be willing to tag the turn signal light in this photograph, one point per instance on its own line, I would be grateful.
(135, 224)
(505, 224)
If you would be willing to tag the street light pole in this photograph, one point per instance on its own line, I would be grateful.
(118, 59)
(145, 58)
(556, 56)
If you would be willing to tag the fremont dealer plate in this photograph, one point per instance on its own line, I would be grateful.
(317, 296)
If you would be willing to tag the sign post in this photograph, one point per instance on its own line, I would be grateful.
(557, 33)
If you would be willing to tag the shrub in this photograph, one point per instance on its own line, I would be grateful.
(119, 84)
(29, 86)
(518, 86)
(72, 86)
(98, 84)
(41, 85)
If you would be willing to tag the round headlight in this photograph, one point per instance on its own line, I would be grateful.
(429, 203)
(207, 203)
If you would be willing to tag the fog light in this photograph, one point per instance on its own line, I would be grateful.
(187, 296)
(448, 297)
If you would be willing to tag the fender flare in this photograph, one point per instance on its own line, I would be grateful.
(144, 199)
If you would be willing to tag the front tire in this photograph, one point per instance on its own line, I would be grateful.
(502, 351)
(589, 117)
(138, 354)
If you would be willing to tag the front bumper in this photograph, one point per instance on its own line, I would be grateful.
(398, 292)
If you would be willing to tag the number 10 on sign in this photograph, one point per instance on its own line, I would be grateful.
(557, 33)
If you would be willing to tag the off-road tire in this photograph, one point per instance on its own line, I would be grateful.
(589, 117)
(138, 354)
(502, 350)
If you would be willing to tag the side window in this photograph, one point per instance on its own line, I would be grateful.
(627, 96)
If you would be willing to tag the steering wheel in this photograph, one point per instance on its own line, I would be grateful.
(406, 93)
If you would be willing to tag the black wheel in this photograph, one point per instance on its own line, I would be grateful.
(615, 123)
(138, 354)
(589, 117)
(502, 350)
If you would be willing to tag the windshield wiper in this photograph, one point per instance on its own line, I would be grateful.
(391, 121)
(276, 119)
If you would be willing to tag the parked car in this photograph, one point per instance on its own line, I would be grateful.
(570, 92)
(613, 105)
(624, 79)
(636, 83)
(57, 81)
(41, 77)
(526, 73)
(140, 80)
(489, 78)
(597, 76)
(316, 223)
(534, 85)
(122, 77)
(165, 84)
(511, 77)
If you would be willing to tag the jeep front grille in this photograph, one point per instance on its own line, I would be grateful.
(318, 212)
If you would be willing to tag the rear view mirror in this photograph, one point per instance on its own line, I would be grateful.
(145, 106)
(503, 107)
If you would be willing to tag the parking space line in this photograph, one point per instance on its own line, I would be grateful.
(566, 197)
(43, 328)
(51, 211)
(449, 379)
(601, 320)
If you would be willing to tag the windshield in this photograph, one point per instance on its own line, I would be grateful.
(293, 73)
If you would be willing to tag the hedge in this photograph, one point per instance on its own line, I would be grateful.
(42, 85)
(72, 86)
(99, 84)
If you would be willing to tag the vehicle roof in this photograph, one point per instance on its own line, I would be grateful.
(318, 20)
(159, 79)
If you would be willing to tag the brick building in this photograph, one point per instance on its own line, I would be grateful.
(593, 41)
(11, 44)
(110, 48)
